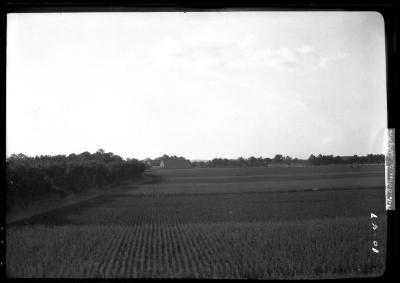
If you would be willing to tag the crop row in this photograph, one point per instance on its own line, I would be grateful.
(297, 249)
(126, 209)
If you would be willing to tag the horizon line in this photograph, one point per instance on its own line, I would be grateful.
(198, 159)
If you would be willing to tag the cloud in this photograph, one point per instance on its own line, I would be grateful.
(325, 61)
(285, 58)
(248, 41)
(201, 54)
(208, 53)
(281, 58)
(305, 49)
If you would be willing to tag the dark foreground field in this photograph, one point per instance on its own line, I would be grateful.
(311, 222)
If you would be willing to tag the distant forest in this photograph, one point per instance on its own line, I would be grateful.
(30, 178)
(277, 160)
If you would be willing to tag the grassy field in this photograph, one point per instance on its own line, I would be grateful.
(213, 223)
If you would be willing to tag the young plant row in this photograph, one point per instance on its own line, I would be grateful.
(271, 250)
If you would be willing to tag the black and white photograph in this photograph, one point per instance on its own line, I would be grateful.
(196, 144)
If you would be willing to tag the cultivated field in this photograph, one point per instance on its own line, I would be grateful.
(305, 222)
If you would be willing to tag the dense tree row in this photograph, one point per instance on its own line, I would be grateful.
(32, 177)
(224, 162)
(330, 159)
(279, 159)
(246, 162)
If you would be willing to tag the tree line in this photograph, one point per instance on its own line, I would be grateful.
(247, 162)
(355, 159)
(280, 159)
(31, 178)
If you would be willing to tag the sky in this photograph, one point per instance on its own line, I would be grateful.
(200, 85)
